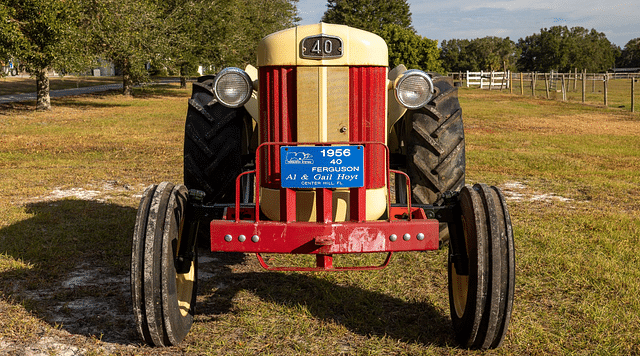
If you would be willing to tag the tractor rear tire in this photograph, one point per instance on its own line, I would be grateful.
(212, 144)
(163, 300)
(434, 137)
(481, 302)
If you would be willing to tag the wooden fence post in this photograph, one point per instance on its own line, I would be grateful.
(606, 85)
(510, 82)
(533, 84)
(575, 80)
(546, 84)
(584, 83)
(633, 87)
(491, 81)
(564, 89)
(593, 84)
(521, 84)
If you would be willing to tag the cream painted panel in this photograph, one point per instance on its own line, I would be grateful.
(360, 47)
(306, 204)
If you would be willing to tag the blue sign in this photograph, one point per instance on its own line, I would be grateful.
(322, 166)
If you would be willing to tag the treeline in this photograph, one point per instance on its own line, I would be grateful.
(558, 48)
(176, 35)
(179, 35)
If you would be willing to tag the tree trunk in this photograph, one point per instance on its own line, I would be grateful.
(127, 85)
(183, 78)
(43, 102)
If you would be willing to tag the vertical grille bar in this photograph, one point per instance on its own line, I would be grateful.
(277, 117)
(367, 118)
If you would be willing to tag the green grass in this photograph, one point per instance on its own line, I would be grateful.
(578, 270)
(618, 92)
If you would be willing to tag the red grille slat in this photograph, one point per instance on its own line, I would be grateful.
(367, 118)
(277, 116)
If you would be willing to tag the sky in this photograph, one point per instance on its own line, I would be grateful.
(441, 20)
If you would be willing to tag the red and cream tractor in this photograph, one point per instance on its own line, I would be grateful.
(324, 150)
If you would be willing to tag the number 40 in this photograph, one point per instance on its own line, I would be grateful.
(327, 46)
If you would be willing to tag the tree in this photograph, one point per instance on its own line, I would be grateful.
(183, 35)
(408, 48)
(235, 27)
(563, 49)
(493, 53)
(630, 56)
(487, 53)
(42, 35)
(368, 15)
(391, 20)
(129, 33)
(454, 56)
(220, 33)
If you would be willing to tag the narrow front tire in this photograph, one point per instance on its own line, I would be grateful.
(481, 301)
(163, 300)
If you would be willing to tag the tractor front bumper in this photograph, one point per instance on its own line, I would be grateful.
(325, 238)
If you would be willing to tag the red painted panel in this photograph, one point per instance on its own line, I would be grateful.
(310, 237)
(367, 116)
(277, 117)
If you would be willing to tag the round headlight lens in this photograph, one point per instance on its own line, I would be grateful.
(414, 89)
(232, 87)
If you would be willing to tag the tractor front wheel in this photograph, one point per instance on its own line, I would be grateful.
(163, 299)
(482, 273)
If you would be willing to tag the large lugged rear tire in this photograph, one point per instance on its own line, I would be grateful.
(163, 300)
(434, 137)
(212, 144)
(481, 302)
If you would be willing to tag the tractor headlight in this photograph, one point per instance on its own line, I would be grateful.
(232, 87)
(414, 89)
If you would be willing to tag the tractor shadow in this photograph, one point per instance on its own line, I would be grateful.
(362, 311)
(68, 265)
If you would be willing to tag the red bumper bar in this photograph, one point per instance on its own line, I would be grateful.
(324, 238)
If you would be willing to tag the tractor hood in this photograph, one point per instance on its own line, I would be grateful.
(322, 44)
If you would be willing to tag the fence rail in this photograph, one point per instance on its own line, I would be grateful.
(487, 79)
(561, 86)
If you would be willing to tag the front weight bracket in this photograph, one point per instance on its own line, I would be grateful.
(186, 249)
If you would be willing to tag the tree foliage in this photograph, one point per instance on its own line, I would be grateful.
(130, 34)
(562, 49)
(220, 33)
(408, 48)
(391, 20)
(368, 15)
(233, 28)
(42, 35)
(630, 56)
(487, 53)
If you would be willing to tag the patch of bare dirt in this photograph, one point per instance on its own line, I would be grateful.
(519, 192)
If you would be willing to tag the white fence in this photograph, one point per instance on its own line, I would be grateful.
(488, 79)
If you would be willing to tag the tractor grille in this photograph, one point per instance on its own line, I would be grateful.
(366, 116)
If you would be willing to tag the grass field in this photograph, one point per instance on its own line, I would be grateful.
(618, 91)
(72, 178)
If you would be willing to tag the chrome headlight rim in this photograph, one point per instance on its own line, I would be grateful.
(243, 76)
(407, 75)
